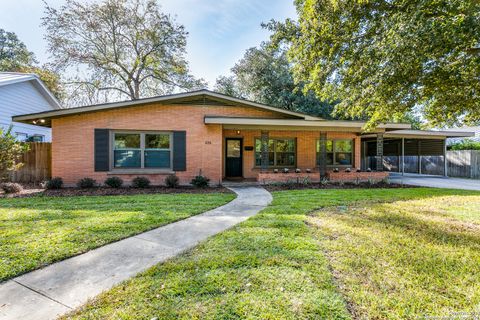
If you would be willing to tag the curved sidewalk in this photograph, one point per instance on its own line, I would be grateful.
(58, 288)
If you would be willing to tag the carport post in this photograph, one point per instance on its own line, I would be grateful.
(379, 164)
(403, 156)
(445, 161)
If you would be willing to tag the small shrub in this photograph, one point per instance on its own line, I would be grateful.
(465, 145)
(86, 183)
(200, 181)
(54, 183)
(113, 182)
(298, 170)
(324, 182)
(286, 170)
(11, 187)
(171, 181)
(306, 181)
(348, 170)
(141, 182)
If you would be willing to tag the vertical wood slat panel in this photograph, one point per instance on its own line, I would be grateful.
(464, 163)
(37, 164)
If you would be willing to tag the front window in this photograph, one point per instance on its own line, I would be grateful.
(142, 150)
(339, 152)
(281, 152)
(36, 138)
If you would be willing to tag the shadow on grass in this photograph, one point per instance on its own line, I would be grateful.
(405, 258)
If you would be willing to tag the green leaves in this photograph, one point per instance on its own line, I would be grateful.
(10, 152)
(383, 59)
(264, 75)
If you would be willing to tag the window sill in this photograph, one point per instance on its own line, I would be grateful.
(274, 167)
(140, 171)
(338, 166)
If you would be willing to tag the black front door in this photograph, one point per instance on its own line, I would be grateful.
(233, 163)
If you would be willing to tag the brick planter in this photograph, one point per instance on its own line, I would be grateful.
(357, 176)
(293, 177)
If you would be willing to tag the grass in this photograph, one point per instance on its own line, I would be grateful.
(40, 230)
(320, 254)
(406, 259)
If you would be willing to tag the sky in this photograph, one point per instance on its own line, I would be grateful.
(219, 30)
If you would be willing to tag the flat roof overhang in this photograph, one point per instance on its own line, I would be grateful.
(297, 124)
(423, 134)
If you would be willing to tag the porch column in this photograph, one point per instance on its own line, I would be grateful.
(323, 155)
(445, 161)
(264, 150)
(403, 156)
(379, 152)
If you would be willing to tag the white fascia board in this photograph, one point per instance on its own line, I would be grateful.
(295, 122)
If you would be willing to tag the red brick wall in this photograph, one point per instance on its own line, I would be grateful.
(306, 147)
(73, 138)
(360, 176)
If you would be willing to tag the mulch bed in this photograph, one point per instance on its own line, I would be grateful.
(346, 185)
(32, 191)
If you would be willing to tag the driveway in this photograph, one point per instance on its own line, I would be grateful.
(435, 181)
(60, 287)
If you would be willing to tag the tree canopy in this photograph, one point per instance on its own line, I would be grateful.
(118, 49)
(15, 57)
(264, 75)
(382, 59)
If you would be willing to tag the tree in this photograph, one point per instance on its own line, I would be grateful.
(264, 75)
(382, 59)
(118, 48)
(14, 53)
(15, 57)
(10, 152)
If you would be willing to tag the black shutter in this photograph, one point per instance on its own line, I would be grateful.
(102, 150)
(179, 151)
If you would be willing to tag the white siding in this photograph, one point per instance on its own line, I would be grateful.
(22, 98)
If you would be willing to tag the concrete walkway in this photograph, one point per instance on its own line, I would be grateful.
(436, 181)
(63, 286)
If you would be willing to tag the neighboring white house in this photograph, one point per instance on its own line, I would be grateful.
(22, 93)
(476, 138)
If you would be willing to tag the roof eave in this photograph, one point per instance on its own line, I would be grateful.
(102, 107)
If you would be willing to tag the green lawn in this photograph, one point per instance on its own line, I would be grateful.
(320, 254)
(40, 230)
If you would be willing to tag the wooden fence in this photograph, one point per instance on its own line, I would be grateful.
(37, 164)
(464, 163)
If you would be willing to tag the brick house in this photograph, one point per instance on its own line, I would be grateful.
(221, 137)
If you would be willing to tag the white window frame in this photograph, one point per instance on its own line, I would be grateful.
(142, 150)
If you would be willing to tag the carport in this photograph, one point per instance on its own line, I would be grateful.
(407, 151)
